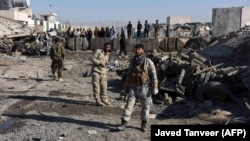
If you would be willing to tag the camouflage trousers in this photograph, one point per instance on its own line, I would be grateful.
(57, 66)
(143, 94)
(99, 81)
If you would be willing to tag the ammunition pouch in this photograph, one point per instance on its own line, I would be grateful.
(139, 78)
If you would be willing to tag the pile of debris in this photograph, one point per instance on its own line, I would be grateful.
(18, 37)
(218, 71)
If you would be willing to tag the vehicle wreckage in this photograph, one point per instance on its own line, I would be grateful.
(194, 74)
(18, 37)
(36, 44)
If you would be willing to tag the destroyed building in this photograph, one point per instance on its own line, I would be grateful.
(18, 10)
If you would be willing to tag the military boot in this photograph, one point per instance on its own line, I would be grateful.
(99, 103)
(122, 126)
(144, 126)
(105, 101)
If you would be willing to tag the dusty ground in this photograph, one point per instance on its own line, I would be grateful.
(33, 107)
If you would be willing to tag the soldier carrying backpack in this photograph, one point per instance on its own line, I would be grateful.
(57, 54)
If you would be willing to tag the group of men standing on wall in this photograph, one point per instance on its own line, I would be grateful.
(89, 33)
(111, 33)
(139, 27)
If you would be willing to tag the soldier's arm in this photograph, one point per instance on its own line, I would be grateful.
(63, 51)
(126, 84)
(152, 71)
(51, 52)
(94, 57)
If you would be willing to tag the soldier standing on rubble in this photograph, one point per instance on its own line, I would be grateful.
(57, 54)
(99, 77)
(140, 84)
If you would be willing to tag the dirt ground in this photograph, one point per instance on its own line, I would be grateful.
(33, 107)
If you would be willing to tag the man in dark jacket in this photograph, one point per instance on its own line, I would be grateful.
(141, 83)
(123, 44)
(139, 28)
(129, 29)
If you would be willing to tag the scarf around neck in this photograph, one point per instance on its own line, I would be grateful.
(138, 60)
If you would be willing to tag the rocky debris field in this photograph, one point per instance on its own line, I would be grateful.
(33, 107)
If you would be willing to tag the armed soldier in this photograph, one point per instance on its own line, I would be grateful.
(57, 54)
(141, 82)
(99, 79)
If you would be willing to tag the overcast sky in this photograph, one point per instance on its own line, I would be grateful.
(119, 12)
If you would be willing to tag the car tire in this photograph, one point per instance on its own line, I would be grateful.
(213, 90)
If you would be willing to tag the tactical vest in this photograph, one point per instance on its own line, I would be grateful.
(139, 74)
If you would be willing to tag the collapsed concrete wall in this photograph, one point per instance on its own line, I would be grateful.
(10, 27)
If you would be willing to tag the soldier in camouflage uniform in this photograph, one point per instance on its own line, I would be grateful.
(57, 54)
(99, 78)
(141, 82)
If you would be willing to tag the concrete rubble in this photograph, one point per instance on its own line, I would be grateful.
(217, 71)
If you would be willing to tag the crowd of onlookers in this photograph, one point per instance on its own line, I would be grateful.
(138, 31)
(128, 31)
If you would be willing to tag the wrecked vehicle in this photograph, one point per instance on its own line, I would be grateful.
(16, 36)
(38, 43)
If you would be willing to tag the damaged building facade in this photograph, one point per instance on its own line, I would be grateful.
(19, 11)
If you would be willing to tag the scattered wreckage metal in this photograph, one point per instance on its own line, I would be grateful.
(16, 36)
(192, 75)
(195, 77)
(35, 44)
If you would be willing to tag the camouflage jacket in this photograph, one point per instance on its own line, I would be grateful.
(99, 57)
(57, 51)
